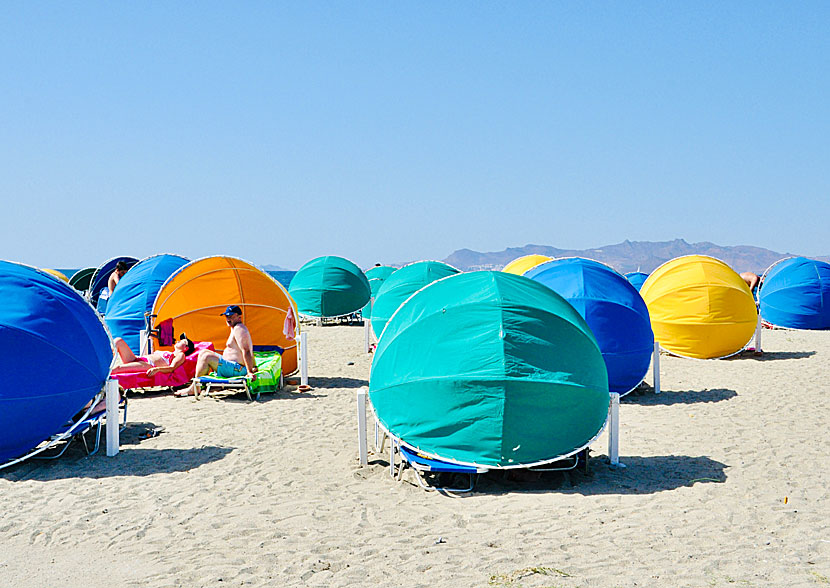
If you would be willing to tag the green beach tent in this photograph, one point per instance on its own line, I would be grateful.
(329, 286)
(81, 279)
(490, 369)
(403, 284)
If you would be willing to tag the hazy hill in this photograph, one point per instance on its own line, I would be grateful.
(628, 256)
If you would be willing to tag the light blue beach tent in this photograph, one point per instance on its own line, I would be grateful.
(135, 295)
(60, 351)
(795, 293)
(637, 279)
(613, 309)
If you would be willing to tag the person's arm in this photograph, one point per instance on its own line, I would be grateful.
(243, 339)
(178, 359)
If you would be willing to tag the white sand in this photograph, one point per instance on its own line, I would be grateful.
(271, 493)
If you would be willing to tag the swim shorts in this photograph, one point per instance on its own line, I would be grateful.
(230, 369)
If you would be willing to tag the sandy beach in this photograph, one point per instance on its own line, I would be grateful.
(726, 484)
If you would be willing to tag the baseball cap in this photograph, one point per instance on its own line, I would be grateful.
(232, 309)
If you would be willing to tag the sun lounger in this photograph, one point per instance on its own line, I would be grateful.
(269, 378)
(181, 376)
(77, 429)
(425, 465)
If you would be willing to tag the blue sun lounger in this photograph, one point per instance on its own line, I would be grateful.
(77, 429)
(426, 465)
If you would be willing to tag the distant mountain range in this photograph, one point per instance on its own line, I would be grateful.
(628, 256)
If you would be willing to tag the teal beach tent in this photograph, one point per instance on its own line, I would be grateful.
(376, 276)
(329, 287)
(490, 369)
(403, 284)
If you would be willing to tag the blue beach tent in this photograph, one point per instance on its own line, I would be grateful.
(102, 275)
(637, 279)
(62, 352)
(135, 295)
(614, 310)
(795, 293)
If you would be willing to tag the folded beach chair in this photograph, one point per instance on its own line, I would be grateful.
(178, 378)
(77, 428)
(269, 378)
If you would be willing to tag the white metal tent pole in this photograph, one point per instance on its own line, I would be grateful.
(112, 417)
(614, 431)
(758, 329)
(304, 359)
(363, 450)
(143, 340)
(655, 366)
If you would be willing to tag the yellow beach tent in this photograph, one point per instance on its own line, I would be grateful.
(55, 273)
(699, 307)
(522, 264)
(196, 295)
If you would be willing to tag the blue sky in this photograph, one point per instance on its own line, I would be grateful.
(389, 132)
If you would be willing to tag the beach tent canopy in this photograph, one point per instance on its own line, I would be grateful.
(330, 286)
(59, 353)
(376, 276)
(699, 307)
(403, 284)
(196, 295)
(637, 279)
(613, 309)
(81, 279)
(795, 294)
(135, 295)
(55, 273)
(522, 264)
(491, 369)
(102, 275)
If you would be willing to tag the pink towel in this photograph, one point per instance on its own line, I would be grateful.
(290, 325)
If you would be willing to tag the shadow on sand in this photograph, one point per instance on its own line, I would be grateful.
(318, 382)
(642, 475)
(645, 396)
(131, 461)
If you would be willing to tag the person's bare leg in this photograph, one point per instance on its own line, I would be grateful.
(131, 367)
(124, 352)
(205, 363)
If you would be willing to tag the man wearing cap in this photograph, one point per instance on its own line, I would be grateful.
(236, 360)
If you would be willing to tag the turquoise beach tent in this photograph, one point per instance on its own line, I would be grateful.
(489, 369)
(61, 351)
(614, 310)
(135, 295)
(376, 276)
(401, 285)
(329, 286)
(795, 294)
(81, 279)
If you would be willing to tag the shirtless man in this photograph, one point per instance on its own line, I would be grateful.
(120, 269)
(236, 360)
(752, 280)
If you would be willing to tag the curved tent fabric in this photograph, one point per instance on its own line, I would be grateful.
(55, 273)
(403, 284)
(795, 294)
(521, 265)
(44, 322)
(491, 369)
(102, 275)
(637, 279)
(81, 279)
(699, 307)
(195, 296)
(613, 309)
(329, 286)
(135, 295)
(376, 276)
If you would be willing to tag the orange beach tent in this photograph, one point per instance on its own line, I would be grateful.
(196, 295)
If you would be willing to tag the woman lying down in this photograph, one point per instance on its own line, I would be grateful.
(158, 362)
